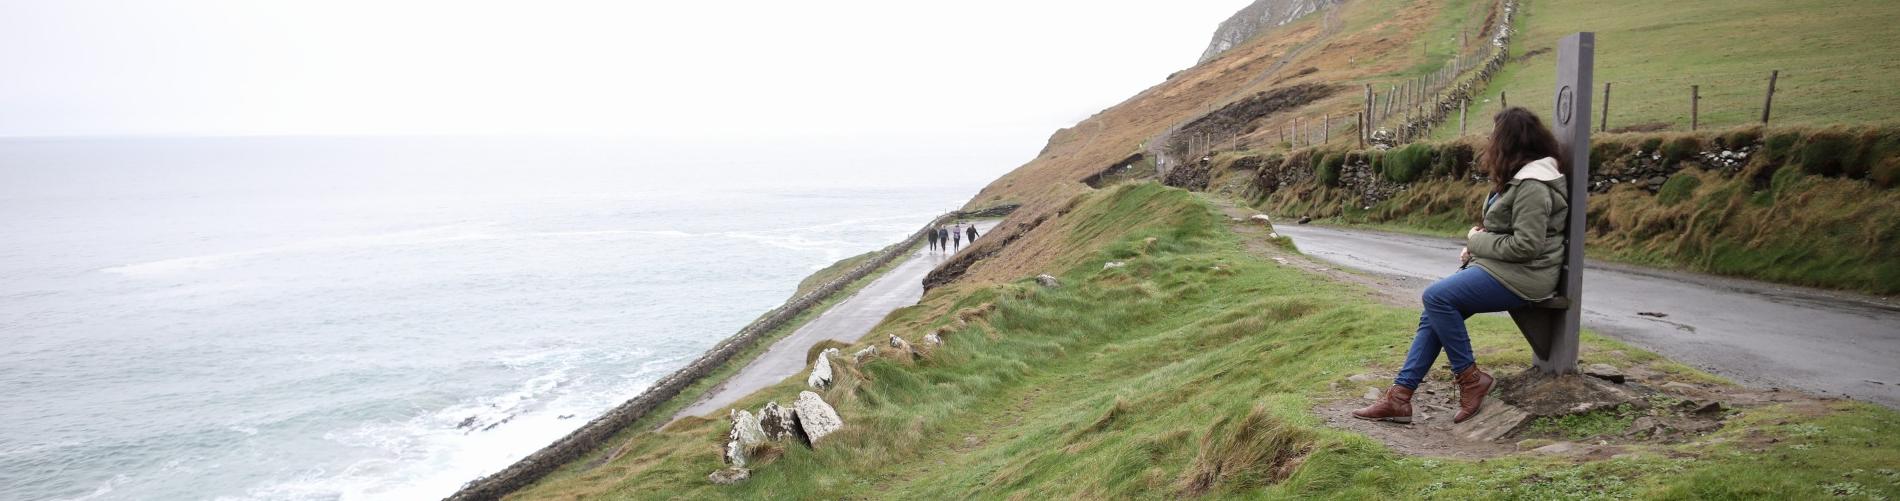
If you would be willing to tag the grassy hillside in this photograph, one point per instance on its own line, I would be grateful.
(1364, 41)
(1832, 57)
(1194, 370)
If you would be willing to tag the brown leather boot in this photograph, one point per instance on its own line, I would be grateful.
(1473, 385)
(1396, 407)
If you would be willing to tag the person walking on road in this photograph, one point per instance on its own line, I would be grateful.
(972, 231)
(1519, 253)
(956, 237)
(943, 239)
(931, 235)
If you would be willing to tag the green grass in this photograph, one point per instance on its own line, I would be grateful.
(832, 272)
(1585, 425)
(1193, 370)
(1653, 51)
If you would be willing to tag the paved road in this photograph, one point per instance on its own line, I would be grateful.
(1751, 332)
(846, 321)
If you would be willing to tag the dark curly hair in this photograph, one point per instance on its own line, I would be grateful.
(1518, 137)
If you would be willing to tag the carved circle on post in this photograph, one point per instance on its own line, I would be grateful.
(1564, 100)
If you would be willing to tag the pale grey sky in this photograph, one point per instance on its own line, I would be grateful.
(701, 69)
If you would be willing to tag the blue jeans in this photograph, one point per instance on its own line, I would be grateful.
(1448, 303)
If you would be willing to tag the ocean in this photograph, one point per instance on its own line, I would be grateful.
(385, 318)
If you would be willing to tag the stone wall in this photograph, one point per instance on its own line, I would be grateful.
(1451, 98)
(595, 433)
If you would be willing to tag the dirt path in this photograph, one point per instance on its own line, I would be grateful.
(847, 321)
(1758, 334)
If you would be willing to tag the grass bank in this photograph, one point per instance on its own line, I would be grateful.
(1805, 206)
(1193, 370)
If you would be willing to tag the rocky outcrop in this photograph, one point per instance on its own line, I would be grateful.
(815, 417)
(1048, 281)
(746, 433)
(777, 423)
(807, 421)
(1257, 18)
(821, 370)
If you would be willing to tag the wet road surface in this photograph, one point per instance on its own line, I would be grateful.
(846, 321)
(1754, 333)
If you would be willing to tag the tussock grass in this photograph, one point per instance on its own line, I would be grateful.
(1191, 371)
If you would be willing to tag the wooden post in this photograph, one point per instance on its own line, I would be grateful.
(1551, 326)
(1503, 100)
(1769, 102)
(1361, 118)
(1389, 93)
(1327, 136)
(1605, 127)
(1695, 102)
(1462, 104)
(1369, 103)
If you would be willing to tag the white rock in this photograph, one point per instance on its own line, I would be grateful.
(864, 354)
(820, 371)
(1262, 218)
(729, 476)
(1048, 281)
(777, 423)
(1113, 264)
(816, 417)
(933, 339)
(745, 434)
(1559, 448)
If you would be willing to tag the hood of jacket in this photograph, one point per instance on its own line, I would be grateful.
(1542, 169)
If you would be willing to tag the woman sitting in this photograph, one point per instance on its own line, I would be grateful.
(1519, 253)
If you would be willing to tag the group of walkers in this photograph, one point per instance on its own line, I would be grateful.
(951, 238)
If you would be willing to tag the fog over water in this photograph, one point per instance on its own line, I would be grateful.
(354, 318)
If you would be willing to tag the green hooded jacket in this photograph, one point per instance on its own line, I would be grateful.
(1522, 244)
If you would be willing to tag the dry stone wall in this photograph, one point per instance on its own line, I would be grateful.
(592, 435)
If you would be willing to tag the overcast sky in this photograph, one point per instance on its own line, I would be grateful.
(685, 69)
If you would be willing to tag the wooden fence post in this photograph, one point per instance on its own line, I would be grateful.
(1769, 102)
(1605, 126)
(1503, 101)
(1362, 123)
(1695, 102)
(1327, 136)
(1462, 104)
(1361, 118)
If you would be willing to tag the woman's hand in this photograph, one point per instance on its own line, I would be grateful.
(1475, 230)
(1464, 255)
